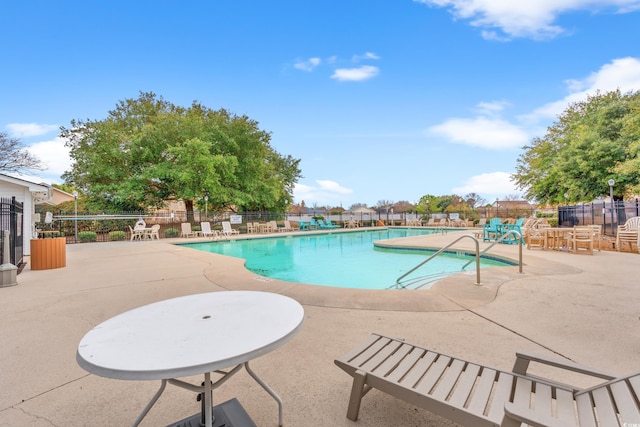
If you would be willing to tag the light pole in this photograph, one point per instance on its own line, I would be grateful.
(611, 182)
(75, 218)
(206, 208)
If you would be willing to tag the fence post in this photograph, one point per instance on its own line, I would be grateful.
(8, 271)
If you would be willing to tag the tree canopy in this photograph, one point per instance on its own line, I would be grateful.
(591, 142)
(15, 157)
(148, 150)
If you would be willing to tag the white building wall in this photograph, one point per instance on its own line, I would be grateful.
(23, 195)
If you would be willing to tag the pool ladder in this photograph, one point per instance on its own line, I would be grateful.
(399, 285)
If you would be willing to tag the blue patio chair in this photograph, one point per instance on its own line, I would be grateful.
(329, 224)
(304, 226)
(313, 224)
(491, 231)
(511, 238)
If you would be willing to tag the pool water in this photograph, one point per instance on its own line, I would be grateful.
(346, 260)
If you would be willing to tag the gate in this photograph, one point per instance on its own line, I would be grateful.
(11, 220)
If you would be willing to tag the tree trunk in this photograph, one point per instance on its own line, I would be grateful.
(188, 205)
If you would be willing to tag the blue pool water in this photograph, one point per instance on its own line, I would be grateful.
(346, 260)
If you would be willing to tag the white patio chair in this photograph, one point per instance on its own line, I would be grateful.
(227, 230)
(206, 230)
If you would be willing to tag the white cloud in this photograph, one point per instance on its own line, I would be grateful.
(492, 108)
(25, 130)
(621, 73)
(491, 133)
(355, 74)
(307, 65)
(325, 193)
(367, 55)
(490, 185)
(531, 19)
(490, 130)
(53, 154)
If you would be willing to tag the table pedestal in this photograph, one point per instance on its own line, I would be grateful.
(227, 414)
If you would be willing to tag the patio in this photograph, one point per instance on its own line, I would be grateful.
(581, 307)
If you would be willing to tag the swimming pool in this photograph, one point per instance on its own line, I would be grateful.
(345, 259)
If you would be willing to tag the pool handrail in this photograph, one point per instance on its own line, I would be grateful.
(500, 239)
(477, 256)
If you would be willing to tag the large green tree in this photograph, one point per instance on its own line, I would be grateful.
(148, 150)
(591, 142)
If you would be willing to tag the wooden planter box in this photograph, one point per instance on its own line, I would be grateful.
(48, 253)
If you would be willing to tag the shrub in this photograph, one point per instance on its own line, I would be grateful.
(196, 228)
(553, 222)
(87, 236)
(171, 232)
(117, 235)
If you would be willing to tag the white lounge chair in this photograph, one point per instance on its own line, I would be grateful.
(206, 230)
(227, 230)
(287, 227)
(478, 396)
(186, 230)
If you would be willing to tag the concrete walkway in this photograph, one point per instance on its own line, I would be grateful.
(584, 308)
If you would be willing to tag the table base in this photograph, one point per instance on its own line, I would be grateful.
(205, 392)
(227, 414)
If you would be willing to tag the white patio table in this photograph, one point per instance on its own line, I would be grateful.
(191, 335)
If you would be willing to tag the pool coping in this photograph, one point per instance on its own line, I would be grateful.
(453, 293)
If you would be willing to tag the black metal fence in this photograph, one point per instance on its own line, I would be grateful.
(11, 220)
(602, 213)
(115, 226)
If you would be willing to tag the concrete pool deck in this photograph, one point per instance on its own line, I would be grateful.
(585, 308)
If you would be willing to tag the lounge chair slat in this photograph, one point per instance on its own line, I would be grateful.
(566, 406)
(586, 416)
(634, 381)
(626, 403)
(407, 363)
(418, 370)
(543, 398)
(468, 379)
(378, 358)
(502, 394)
(449, 379)
(367, 353)
(635, 384)
(433, 375)
(348, 357)
(522, 393)
(392, 360)
(482, 392)
(605, 407)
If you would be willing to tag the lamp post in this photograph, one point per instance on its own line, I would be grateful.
(75, 218)
(206, 208)
(611, 182)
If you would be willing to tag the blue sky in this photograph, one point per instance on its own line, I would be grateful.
(380, 99)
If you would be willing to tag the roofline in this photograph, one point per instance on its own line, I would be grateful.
(19, 181)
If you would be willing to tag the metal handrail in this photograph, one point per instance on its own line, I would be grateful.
(442, 250)
(500, 239)
(477, 255)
